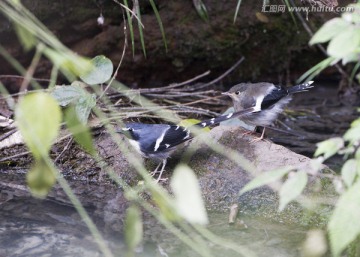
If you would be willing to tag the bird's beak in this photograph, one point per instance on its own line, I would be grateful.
(226, 93)
(122, 130)
(125, 132)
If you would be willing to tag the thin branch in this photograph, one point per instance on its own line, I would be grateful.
(121, 59)
(30, 71)
(7, 134)
(223, 75)
(131, 11)
(188, 81)
(63, 151)
(22, 77)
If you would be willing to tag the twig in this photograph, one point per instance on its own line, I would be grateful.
(14, 156)
(22, 77)
(188, 81)
(30, 72)
(223, 75)
(121, 59)
(28, 152)
(172, 86)
(131, 11)
(7, 134)
(65, 148)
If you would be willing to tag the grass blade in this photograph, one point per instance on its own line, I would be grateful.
(158, 18)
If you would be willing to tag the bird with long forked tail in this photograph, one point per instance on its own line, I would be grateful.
(158, 141)
(263, 96)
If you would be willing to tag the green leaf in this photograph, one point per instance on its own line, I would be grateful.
(133, 228)
(69, 63)
(329, 147)
(102, 69)
(80, 132)
(158, 18)
(292, 188)
(344, 43)
(166, 205)
(40, 178)
(353, 134)
(188, 199)
(67, 94)
(265, 178)
(26, 38)
(348, 172)
(357, 155)
(352, 57)
(315, 70)
(315, 244)
(78, 96)
(355, 123)
(329, 30)
(140, 26)
(131, 28)
(84, 106)
(201, 9)
(189, 122)
(38, 116)
(343, 226)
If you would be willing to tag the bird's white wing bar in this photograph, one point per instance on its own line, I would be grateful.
(160, 139)
(259, 101)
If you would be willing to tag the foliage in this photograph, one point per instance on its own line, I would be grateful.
(342, 230)
(39, 133)
(265, 178)
(343, 35)
(101, 71)
(137, 15)
(292, 188)
(201, 9)
(79, 130)
(188, 199)
(133, 229)
(76, 95)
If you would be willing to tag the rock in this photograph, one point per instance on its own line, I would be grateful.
(221, 179)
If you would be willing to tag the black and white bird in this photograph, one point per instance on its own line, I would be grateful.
(263, 96)
(158, 141)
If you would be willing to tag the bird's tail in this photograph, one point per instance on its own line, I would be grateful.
(301, 87)
(232, 115)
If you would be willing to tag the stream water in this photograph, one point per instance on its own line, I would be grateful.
(31, 227)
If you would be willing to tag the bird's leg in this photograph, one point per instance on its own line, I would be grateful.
(156, 170)
(161, 171)
(259, 138)
(249, 132)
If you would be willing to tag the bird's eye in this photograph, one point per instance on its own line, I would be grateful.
(237, 93)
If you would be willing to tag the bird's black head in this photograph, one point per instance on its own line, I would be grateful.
(130, 131)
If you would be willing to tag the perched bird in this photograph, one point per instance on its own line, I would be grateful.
(266, 97)
(158, 141)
